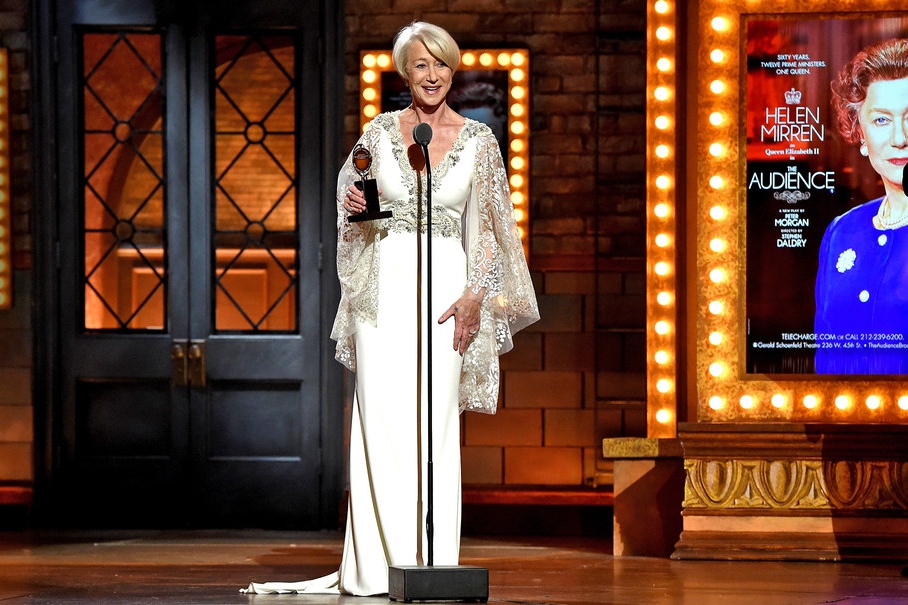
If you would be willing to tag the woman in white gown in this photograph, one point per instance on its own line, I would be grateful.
(480, 280)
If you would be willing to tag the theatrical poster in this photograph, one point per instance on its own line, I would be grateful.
(801, 174)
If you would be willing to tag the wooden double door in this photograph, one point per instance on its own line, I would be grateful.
(187, 314)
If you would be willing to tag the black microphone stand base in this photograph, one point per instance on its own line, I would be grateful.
(368, 216)
(409, 583)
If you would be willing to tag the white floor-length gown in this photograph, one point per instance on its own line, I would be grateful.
(381, 329)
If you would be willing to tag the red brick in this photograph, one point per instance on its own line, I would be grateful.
(570, 351)
(16, 424)
(507, 427)
(621, 385)
(570, 282)
(526, 354)
(570, 427)
(559, 226)
(16, 387)
(543, 465)
(543, 390)
(482, 465)
(560, 313)
(16, 462)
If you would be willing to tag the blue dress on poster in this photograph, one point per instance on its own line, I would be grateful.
(861, 322)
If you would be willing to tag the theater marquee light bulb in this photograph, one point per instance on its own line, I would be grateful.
(716, 182)
(716, 402)
(715, 338)
(747, 402)
(664, 298)
(716, 369)
(716, 118)
(720, 24)
(716, 307)
(664, 416)
(873, 402)
(717, 86)
(716, 55)
(716, 150)
(6, 232)
(663, 240)
(903, 402)
(810, 402)
(716, 244)
(778, 400)
(661, 357)
(842, 402)
(661, 327)
(664, 385)
(717, 213)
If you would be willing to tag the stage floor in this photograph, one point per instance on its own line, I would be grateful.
(209, 567)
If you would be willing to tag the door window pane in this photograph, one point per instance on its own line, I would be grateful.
(255, 184)
(124, 282)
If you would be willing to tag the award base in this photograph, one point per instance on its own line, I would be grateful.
(368, 216)
(409, 583)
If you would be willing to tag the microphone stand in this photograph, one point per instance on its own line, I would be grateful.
(449, 582)
(430, 472)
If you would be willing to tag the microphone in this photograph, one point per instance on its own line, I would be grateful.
(422, 134)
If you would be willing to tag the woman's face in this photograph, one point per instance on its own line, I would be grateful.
(884, 124)
(429, 77)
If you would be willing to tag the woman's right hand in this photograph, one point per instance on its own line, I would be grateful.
(354, 202)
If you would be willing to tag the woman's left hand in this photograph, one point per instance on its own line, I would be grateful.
(465, 312)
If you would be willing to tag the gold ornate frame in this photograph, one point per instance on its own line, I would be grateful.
(709, 134)
(517, 63)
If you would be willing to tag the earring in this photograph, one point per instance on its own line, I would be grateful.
(863, 148)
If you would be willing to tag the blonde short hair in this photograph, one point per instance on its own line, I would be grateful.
(437, 40)
(885, 61)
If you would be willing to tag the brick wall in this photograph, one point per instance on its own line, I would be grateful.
(16, 430)
(578, 375)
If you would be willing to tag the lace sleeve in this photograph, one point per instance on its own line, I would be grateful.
(498, 265)
(357, 255)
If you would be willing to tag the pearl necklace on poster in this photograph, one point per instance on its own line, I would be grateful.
(885, 220)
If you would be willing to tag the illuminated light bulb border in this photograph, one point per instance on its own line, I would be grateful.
(6, 234)
(661, 314)
(517, 63)
(717, 216)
